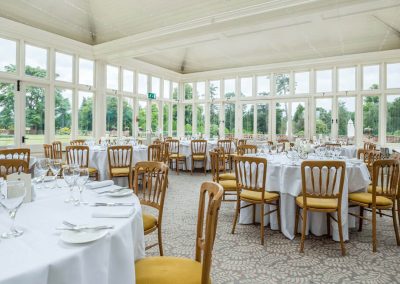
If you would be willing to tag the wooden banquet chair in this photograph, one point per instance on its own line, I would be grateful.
(385, 186)
(174, 155)
(217, 165)
(199, 153)
(79, 155)
(78, 142)
(48, 151)
(322, 191)
(165, 152)
(154, 153)
(246, 149)
(17, 154)
(120, 162)
(227, 145)
(57, 150)
(251, 178)
(177, 270)
(10, 166)
(241, 142)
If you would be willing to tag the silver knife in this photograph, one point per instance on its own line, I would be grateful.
(81, 228)
(111, 204)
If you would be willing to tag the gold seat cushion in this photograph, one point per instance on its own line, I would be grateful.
(199, 157)
(168, 270)
(366, 198)
(176, 156)
(318, 203)
(120, 171)
(228, 185)
(227, 176)
(149, 221)
(378, 189)
(254, 195)
(92, 170)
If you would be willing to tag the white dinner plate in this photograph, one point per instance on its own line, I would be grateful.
(81, 237)
(121, 193)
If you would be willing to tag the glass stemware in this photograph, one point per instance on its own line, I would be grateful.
(81, 181)
(70, 174)
(55, 167)
(12, 194)
(41, 170)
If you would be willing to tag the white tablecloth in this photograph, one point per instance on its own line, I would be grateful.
(286, 179)
(349, 151)
(39, 256)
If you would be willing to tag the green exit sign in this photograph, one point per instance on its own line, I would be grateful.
(151, 96)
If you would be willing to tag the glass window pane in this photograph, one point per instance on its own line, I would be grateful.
(8, 55)
(175, 90)
(188, 119)
(229, 120)
(323, 116)
(35, 115)
(174, 120)
(370, 118)
(246, 87)
(112, 77)
(142, 84)
(127, 80)
(346, 115)
(86, 73)
(188, 91)
(302, 82)
(167, 89)
(215, 89)
(347, 79)
(63, 114)
(298, 113)
(393, 119)
(263, 85)
(229, 85)
(64, 65)
(262, 119)
(127, 117)
(35, 61)
(281, 120)
(282, 84)
(142, 108)
(201, 90)
(7, 113)
(85, 115)
(154, 118)
(371, 77)
(324, 81)
(155, 86)
(214, 120)
(165, 120)
(248, 120)
(201, 118)
(393, 75)
(112, 116)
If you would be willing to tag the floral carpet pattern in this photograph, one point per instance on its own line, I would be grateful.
(240, 258)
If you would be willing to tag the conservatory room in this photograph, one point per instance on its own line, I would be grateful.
(199, 141)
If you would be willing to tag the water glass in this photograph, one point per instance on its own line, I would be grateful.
(81, 181)
(70, 174)
(41, 169)
(55, 167)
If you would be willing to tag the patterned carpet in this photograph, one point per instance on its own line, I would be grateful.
(240, 258)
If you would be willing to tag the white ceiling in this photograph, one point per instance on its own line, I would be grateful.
(199, 35)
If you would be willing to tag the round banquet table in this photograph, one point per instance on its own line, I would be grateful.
(39, 256)
(285, 178)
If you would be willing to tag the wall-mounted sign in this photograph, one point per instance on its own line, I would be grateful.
(151, 96)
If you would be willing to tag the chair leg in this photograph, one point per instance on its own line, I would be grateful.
(262, 223)
(160, 241)
(303, 230)
(339, 223)
(396, 227)
(278, 214)
(191, 172)
(360, 224)
(254, 214)
(296, 220)
(177, 166)
(328, 224)
(398, 209)
(237, 212)
(374, 241)
(205, 166)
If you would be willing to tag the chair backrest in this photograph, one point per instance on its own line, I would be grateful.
(283, 140)
(207, 220)
(270, 143)
(198, 147)
(48, 151)
(217, 162)
(119, 156)
(10, 166)
(157, 141)
(361, 155)
(323, 179)
(78, 155)
(385, 174)
(332, 145)
(246, 149)
(370, 156)
(154, 153)
(226, 144)
(173, 146)
(57, 150)
(242, 142)
(164, 152)
(369, 146)
(17, 154)
(78, 142)
(251, 174)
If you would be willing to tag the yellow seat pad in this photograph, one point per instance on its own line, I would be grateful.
(318, 203)
(254, 195)
(174, 156)
(92, 170)
(168, 270)
(227, 176)
(149, 221)
(378, 189)
(199, 157)
(228, 185)
(366, 198)
(120, 171)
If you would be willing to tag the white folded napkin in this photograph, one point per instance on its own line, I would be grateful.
(113, 212)
(99, 184)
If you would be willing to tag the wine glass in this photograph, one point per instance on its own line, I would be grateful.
(55, 167)
(70, 174)
(12, 194)
(81, 180)
(41, 169)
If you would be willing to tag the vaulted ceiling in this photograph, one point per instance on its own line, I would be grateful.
(199, 35)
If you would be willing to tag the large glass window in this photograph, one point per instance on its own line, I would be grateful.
(324, 81)
(155, 86)
(85, 114)
(7, 113)
(35, 61)
(188, 91)
(248, 120)
(127, 117)
(281, 119)
(154, 118)
(167, 89)
(393, 119)
(64, 66)
(262, 119)
(298, 123)
(246, 86)
(175, 90)
(142, 108)
(214, 119)
(323, 116)
(347, 79)
(35, 115)
(201, 90)
(393, 75)
(142, 84)
(370, 118)
(86, 73)
(112, 116)
(229, 87)
(215, 89)
(282, 84)
(112, 77)
(127, 80)
(346, 115)
(8, 55)
(165, 119)
(371, 77)
(263, 85)
(302, 82)
(229, 120)
(188, 119)
(201, 118)
(174, 120)
(63, 114)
